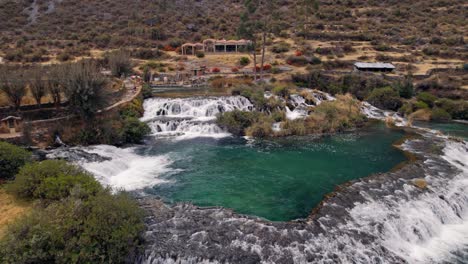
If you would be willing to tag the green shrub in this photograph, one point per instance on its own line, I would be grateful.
(133, 130)
(244, 61)
(420, 105)
(52, 180)
(146, 91)
(458, 109)
(133, 109)
(200, 54)
(280, 47)
(406, 88)
(260, 130)
(406, 109)
(281, 91)
(102, 229)
(11, 159)
(385, 98)
(440, 114)
(427, 98)
(236, 121)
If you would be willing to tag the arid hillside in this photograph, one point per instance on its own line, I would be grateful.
(31, 29)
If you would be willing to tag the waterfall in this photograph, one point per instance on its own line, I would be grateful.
(375, 113)
(190, 117)
(381, 219)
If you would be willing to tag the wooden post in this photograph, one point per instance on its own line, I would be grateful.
(225, 48)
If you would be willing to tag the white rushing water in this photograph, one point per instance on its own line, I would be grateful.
(190, 117)
(388, 225)
(429, 228)
(126, 169)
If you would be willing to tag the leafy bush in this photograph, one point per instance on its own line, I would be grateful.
(236, 121)
(146, 91)
(12, 158)
(281, 91)
(133, 109)
(406, 88)
(385, 98)
(458, 109)
(427, 98)
(280, 47)
(260, 129)
(52, 180)
(119, 63)
(406, 109)
(297, 61)
(200, 54)
(244, 61)
(133, 130)
(440, 114)
(420, 105)
(102, 229)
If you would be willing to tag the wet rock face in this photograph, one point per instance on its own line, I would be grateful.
(74, 155)
(352, 225)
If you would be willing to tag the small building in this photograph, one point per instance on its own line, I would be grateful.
(10, 125)
(214, 45)
(374, 67)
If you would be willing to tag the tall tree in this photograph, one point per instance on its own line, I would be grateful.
(55, 84)
(37, 85)
(83, 88)
(247, 30)
(13, 85)
(257, 24)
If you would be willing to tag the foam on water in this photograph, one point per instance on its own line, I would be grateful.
(430, 228)
(125, 169)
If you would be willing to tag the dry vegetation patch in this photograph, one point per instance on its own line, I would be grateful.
(10, 210)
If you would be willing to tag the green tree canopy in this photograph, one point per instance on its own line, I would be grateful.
(11, 159)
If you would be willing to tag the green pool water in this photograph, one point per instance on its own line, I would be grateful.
(450, 128)
(280, 179)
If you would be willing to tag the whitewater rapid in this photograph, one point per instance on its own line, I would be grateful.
(183, 118)
(379, 219)
(384, 218)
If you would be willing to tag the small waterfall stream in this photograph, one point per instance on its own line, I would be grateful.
(190, 117)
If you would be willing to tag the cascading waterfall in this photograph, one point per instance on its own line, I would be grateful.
(375, 113)
(380, 219)
(190, 117)
(301, 106)
(384, 218)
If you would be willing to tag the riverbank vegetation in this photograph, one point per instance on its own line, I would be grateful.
(328, 117)
(416, 100)
(79, 90)
(73, 219)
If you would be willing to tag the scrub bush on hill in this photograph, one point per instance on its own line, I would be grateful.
(52, 180)
(385, 98)
(439, 114)
(75, 221)
(458, 109)
(11, 159)
(105, 228)
(236, 121)
(133, 130)
(427, 98)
